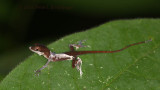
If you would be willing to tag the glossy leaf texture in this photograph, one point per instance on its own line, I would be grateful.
(136, 68)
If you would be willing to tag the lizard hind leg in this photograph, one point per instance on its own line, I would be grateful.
(80, 44)
(78, 65)
(74, 61)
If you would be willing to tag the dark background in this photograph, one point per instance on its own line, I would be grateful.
(23, 23)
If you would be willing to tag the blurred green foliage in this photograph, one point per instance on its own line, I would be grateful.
(108, 8)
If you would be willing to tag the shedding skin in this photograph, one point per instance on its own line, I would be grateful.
(71, 55)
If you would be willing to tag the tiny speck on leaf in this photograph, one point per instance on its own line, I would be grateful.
(91, 64)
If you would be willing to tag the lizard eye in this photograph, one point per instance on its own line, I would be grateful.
(36, 49)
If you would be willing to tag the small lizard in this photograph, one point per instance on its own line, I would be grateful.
(71, 55)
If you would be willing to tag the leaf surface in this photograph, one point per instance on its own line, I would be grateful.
(137, 67)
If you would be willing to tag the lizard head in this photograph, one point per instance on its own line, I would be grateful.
(40, 50)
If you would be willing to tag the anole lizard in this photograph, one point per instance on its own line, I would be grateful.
(71, 55)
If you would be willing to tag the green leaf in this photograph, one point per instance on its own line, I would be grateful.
(134, 68)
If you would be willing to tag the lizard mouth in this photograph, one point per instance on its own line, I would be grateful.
(38, 52)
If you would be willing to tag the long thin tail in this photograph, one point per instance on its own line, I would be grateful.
(87, 52)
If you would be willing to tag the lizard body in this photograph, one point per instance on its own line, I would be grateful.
(71, 55)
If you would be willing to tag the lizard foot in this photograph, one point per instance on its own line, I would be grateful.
(80, 44)
(37, 72)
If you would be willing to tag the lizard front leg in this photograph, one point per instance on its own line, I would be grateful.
(39, 70)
